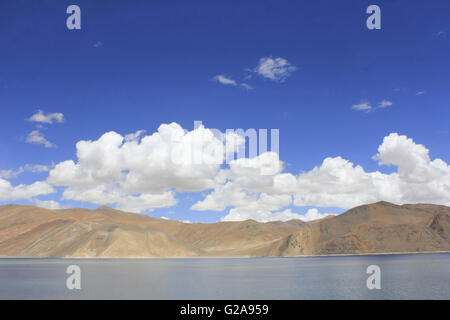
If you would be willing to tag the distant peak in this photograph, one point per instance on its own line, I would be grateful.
(385, 203)
(107, 209)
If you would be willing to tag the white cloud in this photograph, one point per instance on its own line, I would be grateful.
(314, 214)
(48, 118)
(9, 192)
(34, 168)
(225, 80)
(140, 172)
(385, 103)
(277, 69)
(112, 195)
(419, 93)
(98, 44)
(413, 162)
(236, 214)
(364, 106)
(134, 136)
(36, 137)
(267, 216)
(10, 174)
(246, 86)
(224, 196)
(337, 182)
(418, 178)
(143, 174)
(48, 204)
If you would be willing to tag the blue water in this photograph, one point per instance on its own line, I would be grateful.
(421, 276)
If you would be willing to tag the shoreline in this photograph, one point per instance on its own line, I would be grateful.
(224, 257)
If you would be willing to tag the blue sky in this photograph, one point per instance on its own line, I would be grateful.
(136, 65)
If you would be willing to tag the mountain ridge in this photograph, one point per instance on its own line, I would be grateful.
(382, 227)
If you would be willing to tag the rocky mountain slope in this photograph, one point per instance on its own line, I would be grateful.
(27, 231)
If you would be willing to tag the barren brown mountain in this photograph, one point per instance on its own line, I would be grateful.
(382, 227)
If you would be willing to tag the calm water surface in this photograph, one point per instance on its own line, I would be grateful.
(422, 276)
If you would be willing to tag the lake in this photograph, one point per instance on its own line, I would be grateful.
(417, 276)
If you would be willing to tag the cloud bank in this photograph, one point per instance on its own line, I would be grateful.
(141, 172)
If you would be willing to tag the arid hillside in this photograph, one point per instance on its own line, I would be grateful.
(27, 231)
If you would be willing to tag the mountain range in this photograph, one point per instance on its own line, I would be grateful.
(382, 227)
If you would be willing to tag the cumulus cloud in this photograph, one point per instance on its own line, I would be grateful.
(415, 167)
(37, 137)
(143, 174)
(48, 118)
(8, 192)
(48, 204)
(225, 80)
(417, 179)
(267, 216)
(277, 69)
(139, 172)
(314, 214)
(337, 182)
(113, 195)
